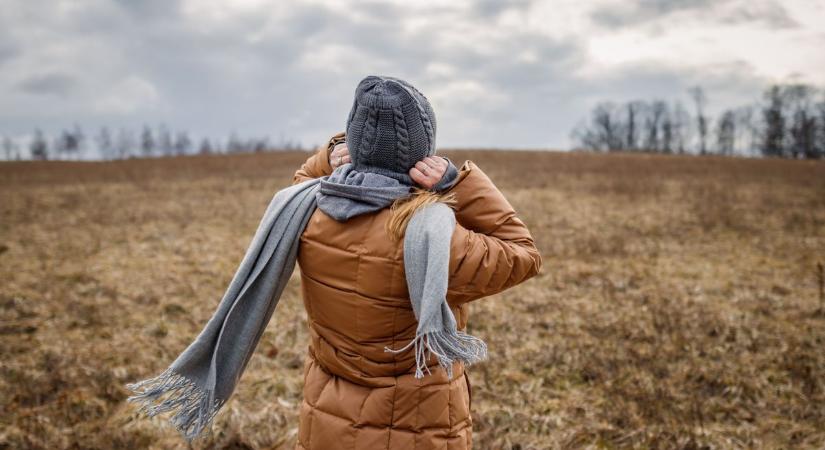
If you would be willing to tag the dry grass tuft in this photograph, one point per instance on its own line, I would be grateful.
(679, 305)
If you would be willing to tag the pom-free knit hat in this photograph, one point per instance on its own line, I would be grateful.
(390, 127)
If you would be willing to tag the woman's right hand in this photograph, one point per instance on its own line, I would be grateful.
(339, 155)
(429, 171)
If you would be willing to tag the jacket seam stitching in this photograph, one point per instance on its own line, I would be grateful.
(392, 415)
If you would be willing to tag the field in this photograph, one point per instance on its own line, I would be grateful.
(679, 305)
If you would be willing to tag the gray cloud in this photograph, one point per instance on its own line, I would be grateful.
(146, 9)
(628, 14)
(493, 8)
(59, 84)
(771, 14)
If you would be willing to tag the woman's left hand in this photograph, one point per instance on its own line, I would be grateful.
(339, 156)
(429, 171)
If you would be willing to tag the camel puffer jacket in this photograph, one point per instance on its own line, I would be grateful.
(356, 395)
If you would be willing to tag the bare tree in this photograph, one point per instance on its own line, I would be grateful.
(633, 109)
(260, 145)
(773, 115)
(38, 147)
(802, 129)
(9, 147)
(205, 147)
(699, 101)
(69, 143)
(821, 128)
(803, 135)
(667, 131)
(604, 131)
(182, 143)
(147, 142)
(652, 125)
(726, 133)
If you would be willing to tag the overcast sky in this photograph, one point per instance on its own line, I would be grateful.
(499, 74)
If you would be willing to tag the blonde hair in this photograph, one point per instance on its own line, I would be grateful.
(402, 209)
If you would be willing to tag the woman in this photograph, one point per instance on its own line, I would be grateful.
(356, 394)
(390, 202)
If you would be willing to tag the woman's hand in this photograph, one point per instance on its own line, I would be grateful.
(339, 155)
(429, 171)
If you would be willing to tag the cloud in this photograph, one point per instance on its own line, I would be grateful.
(769, 13)
(59, 84)
(628, 14)
(492, 9)
(617, 15)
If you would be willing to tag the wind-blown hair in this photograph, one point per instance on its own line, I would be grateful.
(402, 209)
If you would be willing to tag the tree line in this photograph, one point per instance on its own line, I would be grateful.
(788, 122)
(73, 143)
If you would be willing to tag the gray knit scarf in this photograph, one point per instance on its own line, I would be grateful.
(202, 378)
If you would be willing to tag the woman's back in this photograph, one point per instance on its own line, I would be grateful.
(355, 294)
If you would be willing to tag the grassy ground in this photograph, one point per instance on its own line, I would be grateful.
(678, 305)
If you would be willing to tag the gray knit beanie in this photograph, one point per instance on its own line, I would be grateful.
(390, 127)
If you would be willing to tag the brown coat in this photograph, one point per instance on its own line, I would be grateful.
(356, 396)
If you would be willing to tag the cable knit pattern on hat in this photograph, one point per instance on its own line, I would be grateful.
(390, 127)
(403, 143)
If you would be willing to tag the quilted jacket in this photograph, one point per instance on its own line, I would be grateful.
(356, 395)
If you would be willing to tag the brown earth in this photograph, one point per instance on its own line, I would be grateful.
(679, 304)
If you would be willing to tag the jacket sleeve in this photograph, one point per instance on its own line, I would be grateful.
(318, 165)
(491, 248)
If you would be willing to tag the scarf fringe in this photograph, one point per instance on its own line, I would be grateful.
(171, 391)
(448, 347)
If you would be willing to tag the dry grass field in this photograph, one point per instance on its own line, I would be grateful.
(678, 305)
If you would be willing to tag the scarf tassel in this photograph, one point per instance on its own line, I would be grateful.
(448, 347)
(170, 391)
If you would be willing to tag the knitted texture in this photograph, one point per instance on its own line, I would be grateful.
(390, 127)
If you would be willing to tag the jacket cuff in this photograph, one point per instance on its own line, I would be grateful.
(449, 178)
(325, 152)
(337, 139)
